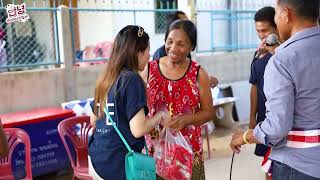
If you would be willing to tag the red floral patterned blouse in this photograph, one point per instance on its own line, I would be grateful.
(178, 97)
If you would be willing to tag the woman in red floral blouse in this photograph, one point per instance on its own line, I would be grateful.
(179, 85)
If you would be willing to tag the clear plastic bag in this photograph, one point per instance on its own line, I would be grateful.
(173, 156)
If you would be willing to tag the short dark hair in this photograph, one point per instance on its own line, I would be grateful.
(171, 17)
(308, 9)
(188, 27)
(266, 14)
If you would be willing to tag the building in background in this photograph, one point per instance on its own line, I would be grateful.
(223, 25)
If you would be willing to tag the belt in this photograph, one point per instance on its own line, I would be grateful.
(295, 139)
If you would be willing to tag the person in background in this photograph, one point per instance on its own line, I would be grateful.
(3, 53)
(292, 124)
(161, 52)
(265, 25)
(181, 86)
(4, 149)
(121, 90)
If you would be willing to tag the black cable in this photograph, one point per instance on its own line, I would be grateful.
(231, 165)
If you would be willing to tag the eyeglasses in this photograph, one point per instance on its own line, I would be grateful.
(140, 31)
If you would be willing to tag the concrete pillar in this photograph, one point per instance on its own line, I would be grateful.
(66, 51)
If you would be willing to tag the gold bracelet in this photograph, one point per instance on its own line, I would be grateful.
(244, 137)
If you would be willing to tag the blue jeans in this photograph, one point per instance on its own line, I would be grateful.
(282, 171)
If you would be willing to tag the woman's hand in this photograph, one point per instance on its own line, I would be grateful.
(178, 122)
(165, 118)
(93, 119)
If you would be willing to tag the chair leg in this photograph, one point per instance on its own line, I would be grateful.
(208, 142)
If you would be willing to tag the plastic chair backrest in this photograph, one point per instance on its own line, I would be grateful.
(79, 138)
(14, 137)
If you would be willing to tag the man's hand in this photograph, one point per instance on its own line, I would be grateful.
(272, 49)
(263, 49)
(236, 142)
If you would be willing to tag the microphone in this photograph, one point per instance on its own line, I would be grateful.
(271, 40)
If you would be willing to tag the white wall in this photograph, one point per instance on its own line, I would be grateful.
(96, 26)
(46, 88)
(218, 33)
(31, 89)
(43, 88)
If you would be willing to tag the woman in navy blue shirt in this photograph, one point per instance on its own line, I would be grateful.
(123, 89)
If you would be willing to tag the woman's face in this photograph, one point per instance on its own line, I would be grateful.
(144, 58)
(178, 45)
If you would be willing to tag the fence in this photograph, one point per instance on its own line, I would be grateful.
(228, 30)
(94, 24)
(227, 25)
(30, 44)
(89, 45)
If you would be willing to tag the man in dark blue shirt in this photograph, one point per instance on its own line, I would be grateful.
(265, 25)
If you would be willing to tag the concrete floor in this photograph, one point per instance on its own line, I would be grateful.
(246, 165)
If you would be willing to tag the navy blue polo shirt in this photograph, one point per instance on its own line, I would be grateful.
(107, 151)
(258, 66)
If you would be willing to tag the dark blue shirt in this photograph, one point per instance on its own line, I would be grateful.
(258, 66)
(161, 52)
(107, 151)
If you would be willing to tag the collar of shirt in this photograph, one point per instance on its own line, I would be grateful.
(299, 35)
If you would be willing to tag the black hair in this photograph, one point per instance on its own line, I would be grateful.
(266, 14)
(188, 27)
(171, 17)
(308, 9)
(128, 43)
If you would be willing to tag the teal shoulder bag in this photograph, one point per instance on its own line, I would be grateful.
(138, 166)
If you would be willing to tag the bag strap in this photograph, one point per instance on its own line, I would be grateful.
(119, 133)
